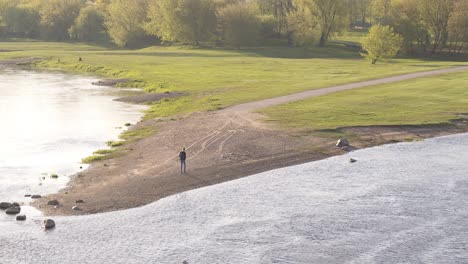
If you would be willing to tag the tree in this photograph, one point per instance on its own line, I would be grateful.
(380, 11)
(279, 9)
(187, 21)
(362, 11)
(303, 26)
(124, 21)
(328, 12)
(239, 24)
(89, 25)
(435, 16)
(404, 18)
(22, 21)
(381, 42)
(102, 5)
(458, 26)
(57, 16)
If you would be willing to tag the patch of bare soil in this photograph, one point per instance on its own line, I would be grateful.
(221, 146)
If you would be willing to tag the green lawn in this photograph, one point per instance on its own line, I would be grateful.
(430, 100)
(215, 78)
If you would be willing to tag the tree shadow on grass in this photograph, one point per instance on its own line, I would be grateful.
(335, 50)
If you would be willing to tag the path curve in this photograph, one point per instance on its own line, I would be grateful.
(256, 105)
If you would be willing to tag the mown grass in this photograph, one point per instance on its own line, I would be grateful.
(430, 100)
(215, 78)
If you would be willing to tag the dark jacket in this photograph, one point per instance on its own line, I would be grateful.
(182, 155)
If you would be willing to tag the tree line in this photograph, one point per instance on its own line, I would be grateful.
(427, 26)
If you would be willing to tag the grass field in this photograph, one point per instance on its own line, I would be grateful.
(215, 78)
(431, 100)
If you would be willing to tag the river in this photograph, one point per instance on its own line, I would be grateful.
(50, 121)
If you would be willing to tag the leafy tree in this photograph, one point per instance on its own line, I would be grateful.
(361, 10)
(279, 9)
(6, 4)
(303, 26)
(57, 16)
(89, 25)
(124, 21)
(435, 16)
(380, 11)
(381, 42)
(328, 12)
(404, 18)
(22, 21)
(267, 26)
(102, 5)
(187, 21)
(458, 26)
(240, 24)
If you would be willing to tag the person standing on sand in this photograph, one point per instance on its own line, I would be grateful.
(182, 157)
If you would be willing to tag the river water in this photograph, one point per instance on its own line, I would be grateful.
(400, 203)
(50, 121)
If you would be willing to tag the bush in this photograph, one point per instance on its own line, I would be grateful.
(381, 43)
(240, 24)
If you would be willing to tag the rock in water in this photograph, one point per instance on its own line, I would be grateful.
(20, 218)
(352, 160)
(36, 196)
(49, 224)
(53, 202)
(5, 206)
(13, 210)
(342, 142)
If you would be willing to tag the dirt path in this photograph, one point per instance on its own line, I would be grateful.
(252, 106)
(221, 146)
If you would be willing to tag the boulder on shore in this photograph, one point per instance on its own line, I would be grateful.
(79, 201)
(49, 224)
(5, 205)
(13, 210)
(36, 196)
(76, 208)
(342, 142)
(53, 202)
(20, 218)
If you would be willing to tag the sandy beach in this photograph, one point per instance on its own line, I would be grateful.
(220, 146)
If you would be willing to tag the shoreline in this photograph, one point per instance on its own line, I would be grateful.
(222, 145)
(227, 148)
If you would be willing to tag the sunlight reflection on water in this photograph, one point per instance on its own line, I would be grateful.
(50, 122)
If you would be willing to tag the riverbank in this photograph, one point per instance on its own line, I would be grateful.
(222, 146)
(18, 62)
